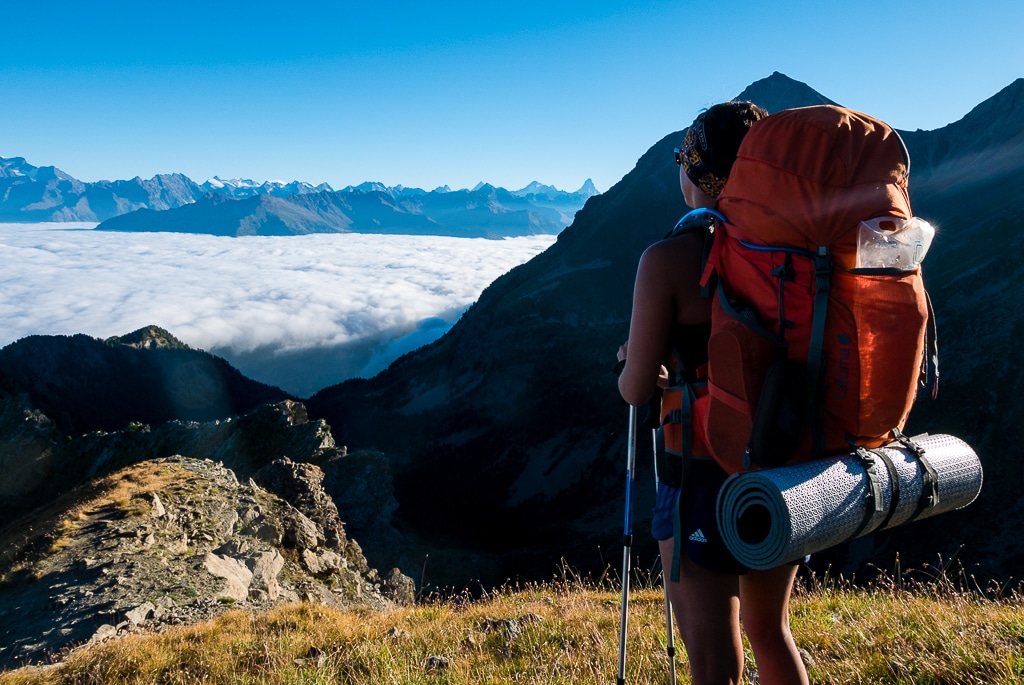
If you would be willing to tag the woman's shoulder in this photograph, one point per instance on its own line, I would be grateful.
(674, 248)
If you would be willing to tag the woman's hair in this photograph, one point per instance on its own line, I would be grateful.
(712, 141)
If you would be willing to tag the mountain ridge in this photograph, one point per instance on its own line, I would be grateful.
(778, 91)
(85, 384)
(36, 194)
(486, 212)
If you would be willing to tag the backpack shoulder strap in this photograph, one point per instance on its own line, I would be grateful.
(823, 277)
(702, 219)
(707, 220)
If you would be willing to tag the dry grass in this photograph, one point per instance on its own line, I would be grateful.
(54, 524)
(939, 628)
(563, 633)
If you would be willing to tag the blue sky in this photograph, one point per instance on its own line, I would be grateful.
(426, 94)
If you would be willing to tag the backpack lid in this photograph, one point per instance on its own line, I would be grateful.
(808, 176)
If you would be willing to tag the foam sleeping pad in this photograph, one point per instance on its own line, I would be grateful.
(775, 516)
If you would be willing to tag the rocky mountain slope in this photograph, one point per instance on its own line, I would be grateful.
(29, 193)
(73, 408)
(153, 526)
(970, 187)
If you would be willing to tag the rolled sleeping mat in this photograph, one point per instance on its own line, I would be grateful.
(775, 516)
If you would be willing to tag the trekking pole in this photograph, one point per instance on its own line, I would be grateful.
(652, 422)
(670, 644)
(627, 543)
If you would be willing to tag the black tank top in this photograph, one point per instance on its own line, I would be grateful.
(691, 344)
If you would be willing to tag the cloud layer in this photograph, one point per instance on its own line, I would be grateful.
(300, 312)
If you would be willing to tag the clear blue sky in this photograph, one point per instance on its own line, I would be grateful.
(425, 94)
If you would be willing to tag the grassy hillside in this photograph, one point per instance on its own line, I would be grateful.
(940, 630)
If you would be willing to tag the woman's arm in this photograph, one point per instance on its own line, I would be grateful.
(666, 294)
(649, 328)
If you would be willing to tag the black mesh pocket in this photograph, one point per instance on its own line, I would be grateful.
(782, 415)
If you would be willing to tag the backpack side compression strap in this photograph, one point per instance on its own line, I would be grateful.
(929, 498)
(874, 492)
(685, 418)
(823, 284)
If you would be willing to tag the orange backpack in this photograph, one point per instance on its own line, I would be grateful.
(812, 352)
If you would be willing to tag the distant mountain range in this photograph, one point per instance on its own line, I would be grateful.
(485, 212)
(504, 441)
(173, 202)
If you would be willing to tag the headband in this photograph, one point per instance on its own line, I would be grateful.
(691, 155)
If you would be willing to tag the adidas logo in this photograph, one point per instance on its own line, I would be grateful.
(698, 536)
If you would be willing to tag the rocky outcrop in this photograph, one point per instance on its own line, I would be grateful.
(41, 462)
(174, 541)
(168, 524)
(362, 488)
(28, 442)
(301, 485)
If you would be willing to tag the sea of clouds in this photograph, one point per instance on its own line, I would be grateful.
(298, 312)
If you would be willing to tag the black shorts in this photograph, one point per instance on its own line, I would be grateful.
(702, 541)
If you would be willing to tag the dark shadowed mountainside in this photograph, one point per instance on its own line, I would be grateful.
(967, 177)
(508, 433)
(86, 384)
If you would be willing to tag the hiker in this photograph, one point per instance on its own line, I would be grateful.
(713, 591)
